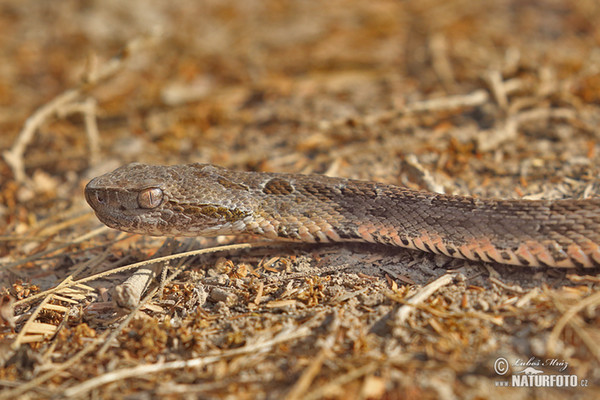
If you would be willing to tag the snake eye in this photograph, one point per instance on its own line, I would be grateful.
(150, 198)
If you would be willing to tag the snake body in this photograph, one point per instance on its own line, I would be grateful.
(206, 200)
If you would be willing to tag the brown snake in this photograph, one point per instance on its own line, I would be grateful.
(206, 200)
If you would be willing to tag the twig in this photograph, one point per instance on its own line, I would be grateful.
(512, 288)
(473, 99)
(438, 47)
(508, 129)
(88, 109)
(303, 383)
(327, 389)
(56, 369)
(34, 257)
(127, 295)
(14, 156)
(494, 78)
(143, 263)
(169, 243)
(145, 369)
(566, 318)
(125, 322)
(17, 342)
(421, 175)
(49, 295)
(63, 103)
(403, 312)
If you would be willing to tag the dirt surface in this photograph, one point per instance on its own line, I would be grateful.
(491, 99)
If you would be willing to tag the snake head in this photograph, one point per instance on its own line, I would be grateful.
(178, 200)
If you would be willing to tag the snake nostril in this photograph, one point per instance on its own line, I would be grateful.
(93, 197)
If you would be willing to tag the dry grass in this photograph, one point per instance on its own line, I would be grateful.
(494, 99)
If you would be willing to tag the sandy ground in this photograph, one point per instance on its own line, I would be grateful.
(491, 99)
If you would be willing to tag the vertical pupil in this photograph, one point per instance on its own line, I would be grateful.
(150, 198)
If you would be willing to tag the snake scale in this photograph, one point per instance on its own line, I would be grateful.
(207, 200)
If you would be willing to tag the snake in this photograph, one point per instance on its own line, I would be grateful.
(208, 200)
